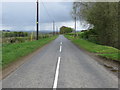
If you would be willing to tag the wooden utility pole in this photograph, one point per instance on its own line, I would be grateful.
(56, 30)
(37, 22)
(75, 25)
(75, 21)
(53, 27)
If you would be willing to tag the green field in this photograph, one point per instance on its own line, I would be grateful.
(101, 50)
(12, 52)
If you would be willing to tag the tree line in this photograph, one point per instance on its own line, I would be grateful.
(15, 34)
(105, 19)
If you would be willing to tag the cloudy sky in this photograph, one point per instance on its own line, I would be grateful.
(22, 15)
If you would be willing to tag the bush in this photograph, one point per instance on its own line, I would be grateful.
(89, 35)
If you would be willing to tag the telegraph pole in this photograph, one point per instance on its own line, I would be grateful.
(37, 22)
(75, 22)
(75, 25)
(56, 30)
(53, 27)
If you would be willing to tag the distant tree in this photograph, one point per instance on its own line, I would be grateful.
(64, 30)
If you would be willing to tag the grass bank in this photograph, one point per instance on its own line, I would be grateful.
(12, 52)
(101, 50)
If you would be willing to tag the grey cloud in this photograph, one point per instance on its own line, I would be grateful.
(58, 11)
(20, 15)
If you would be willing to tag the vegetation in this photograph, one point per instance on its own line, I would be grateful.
(64, 30)
(90, 35)
(12, 52)
(15, 34)
(19, 37)
(104, 18)
(113, 56)
(101, 50)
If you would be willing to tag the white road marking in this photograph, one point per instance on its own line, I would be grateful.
(60, 48)
(61, 43)
(57, 73)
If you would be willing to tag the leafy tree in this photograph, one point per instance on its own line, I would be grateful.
(65, 29)
(104, 16)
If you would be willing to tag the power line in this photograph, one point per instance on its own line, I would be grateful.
(53, 19)
(52, 14)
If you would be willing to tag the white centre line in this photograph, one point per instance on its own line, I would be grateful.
(57, 73)
(60, 48)
(61, 43)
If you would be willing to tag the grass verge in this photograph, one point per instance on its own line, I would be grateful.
(101, 50)
(12, 52)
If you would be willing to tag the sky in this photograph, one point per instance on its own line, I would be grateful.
(22, 16)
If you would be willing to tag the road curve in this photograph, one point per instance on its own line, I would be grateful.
(61, 65)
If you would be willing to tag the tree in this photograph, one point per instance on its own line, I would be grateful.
(64, 30)
(104, 17)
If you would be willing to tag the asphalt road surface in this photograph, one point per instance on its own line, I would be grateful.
(60, 65)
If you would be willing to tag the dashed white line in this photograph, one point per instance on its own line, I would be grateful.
(57, 73)
(60, 48)
(61, 43)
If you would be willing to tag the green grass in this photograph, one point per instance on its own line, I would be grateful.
(101, 50)
(113, 56)
(0, 54)
(12, 52)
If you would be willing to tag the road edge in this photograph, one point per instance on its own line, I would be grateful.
(107, 64)
(16, 64)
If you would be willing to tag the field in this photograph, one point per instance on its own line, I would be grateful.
(12, 52)
(101, 50)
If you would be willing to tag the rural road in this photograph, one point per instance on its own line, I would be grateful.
(60, 65)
